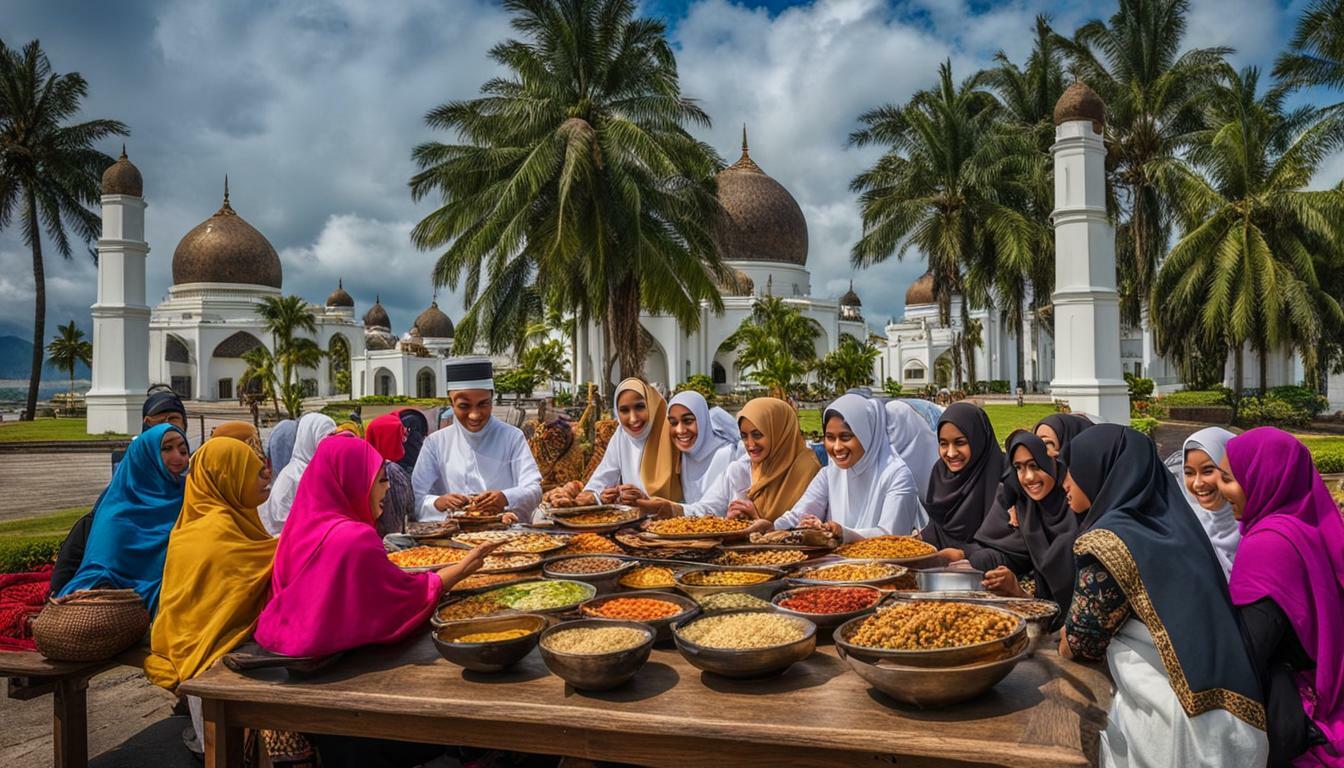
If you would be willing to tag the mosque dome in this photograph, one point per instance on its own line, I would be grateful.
(377, 317)
(226, 249)
(339, 298)
(123, 178)
(1080, 103)
(851, 299)
(433, 324)
(921, 291)
(763, 222)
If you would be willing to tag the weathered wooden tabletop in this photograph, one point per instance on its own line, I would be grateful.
(1047, 712)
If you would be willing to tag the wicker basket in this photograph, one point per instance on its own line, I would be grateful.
(90, 625)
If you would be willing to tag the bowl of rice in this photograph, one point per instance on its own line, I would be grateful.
(746, 643)
(596, 654)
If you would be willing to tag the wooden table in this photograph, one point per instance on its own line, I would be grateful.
(819, 713)
(31, 675)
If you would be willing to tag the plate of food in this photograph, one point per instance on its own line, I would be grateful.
(479, 582)
(932, 633)
(432, 529)
(902, 550)
(697, 527)
(869, 572)
(801, 538)
(515, 542)
(425, 558)
(754, 555)
(600, 520)
(589, 543)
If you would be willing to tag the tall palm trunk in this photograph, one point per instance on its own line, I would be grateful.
(625, 330)
(39, 310)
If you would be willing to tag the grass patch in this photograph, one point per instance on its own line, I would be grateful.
(1005, 417)
(42, 430)
(31, 541)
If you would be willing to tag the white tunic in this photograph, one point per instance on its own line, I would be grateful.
(620, 463)
(732, 485)
(716, 445)
(497, 458)
(892, 505)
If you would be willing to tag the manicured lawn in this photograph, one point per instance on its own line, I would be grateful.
(43, 430)
(31, 541)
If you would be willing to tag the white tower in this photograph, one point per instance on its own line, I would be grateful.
(1087, 307)
(120, 316)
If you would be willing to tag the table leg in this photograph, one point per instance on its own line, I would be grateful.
(223, 742)
(70, 723)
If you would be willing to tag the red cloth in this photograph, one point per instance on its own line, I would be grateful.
(387, 434)
(22, 596)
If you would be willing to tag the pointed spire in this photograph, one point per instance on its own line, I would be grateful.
(744, 140)
(340, 283)
(123, 151)
(377, 298)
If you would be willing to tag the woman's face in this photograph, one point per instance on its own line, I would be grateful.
(1231, 489)
(754, 440)
(843, 447)
(633, 411)
(1035, 481)
(1078, 500)
(377, 492)
(1202, 479)
(954, 448)
(1050, 438)
(472, 408)
(258, 487)
(176, 455)
(684, 428)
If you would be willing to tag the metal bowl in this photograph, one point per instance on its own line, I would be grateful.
(762, 590)
(824, 620)
(1038, 627)
(746, 662)
(604, 581)
(489, 657)
(662, 626)
(990, 650)
(805, 575)
(932, 688)
(597, 671)
(949, 580)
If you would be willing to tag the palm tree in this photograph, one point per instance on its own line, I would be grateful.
(576, 184)
(849, 365)
(1154, 94)
(285, 317)
(777, 343)
(68, 348)
(1315, 55)
(969, 340)
(548, 359)
(259, 378)
(49, 170)
(1247, 267)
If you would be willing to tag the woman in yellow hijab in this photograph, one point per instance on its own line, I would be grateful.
(782, 465)
(640, 460)
(242, 432)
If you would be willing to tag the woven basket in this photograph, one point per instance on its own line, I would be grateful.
(90, 625)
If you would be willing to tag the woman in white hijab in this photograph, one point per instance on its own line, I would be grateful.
(709, 442)
(1202, 453)
(640, 461)
(866, 489)
(311, 429)
(913, 440)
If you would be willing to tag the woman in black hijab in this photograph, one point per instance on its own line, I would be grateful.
(417, 429)
(963, 484)
(1151, 599)
(1058, 429)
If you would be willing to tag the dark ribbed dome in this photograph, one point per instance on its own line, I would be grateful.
(921, 291)
(226, 249)
(433, 324)
(1080, 103)
(339, 298)
(763, 221)
(123, 178)
(850, 299)
(377, 316)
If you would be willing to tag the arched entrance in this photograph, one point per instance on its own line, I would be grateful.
(338, 365)
(425, 383)
(384, 383)
(233, 369)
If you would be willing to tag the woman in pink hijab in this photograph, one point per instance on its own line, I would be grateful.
(332, 587)
(1288, 583)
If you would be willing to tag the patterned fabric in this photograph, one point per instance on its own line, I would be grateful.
(399, 503)
(1099, 608)
(22, 596)
(287, 748)
(601, 436)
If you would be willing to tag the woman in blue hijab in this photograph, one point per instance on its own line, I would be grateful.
(281, 445)
(129, 537)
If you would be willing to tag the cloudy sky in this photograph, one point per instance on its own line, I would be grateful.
(312, 107)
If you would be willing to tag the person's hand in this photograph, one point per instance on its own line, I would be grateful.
(961, 565)
(811, 521)
(658, 507)
(1002, 581)
(611, 495)
(761, 526)
(629, 494)
(585, 499)
(469, 564)
(451, 501)
(508, 518)
(1012, 516)
(742, 508)
(1064, 650)
(952, 554)
(492, 502)
(837, 530)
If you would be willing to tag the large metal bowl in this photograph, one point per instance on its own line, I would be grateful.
(762, 590)
(605, 582)
(824, 620)
(990, 650)
(932, 688)
(597, 671)
(1038, 626)
(746, 662)
(949, 580)
(662, 626)
(807, 574)
(489, 657)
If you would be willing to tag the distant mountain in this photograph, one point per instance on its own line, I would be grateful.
(16, 358)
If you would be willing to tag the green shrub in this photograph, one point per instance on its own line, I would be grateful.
(1000, 387)
(24, 554)
(1197, 397)
(699, 382)
(1140, 388)
(515, 381)
(1144, 424)
(1329, 459)
(891, 388)
(1269, 412)
(563, 398)
(1303, 398)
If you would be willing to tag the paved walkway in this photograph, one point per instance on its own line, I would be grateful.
(37, 483)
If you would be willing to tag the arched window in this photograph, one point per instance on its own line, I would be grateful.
(719, 375)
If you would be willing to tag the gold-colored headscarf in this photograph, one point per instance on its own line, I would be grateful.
(778, 482)
(660, 462)
(243, 432)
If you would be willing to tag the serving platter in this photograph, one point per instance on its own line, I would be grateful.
(629, 517)
(558, 512)
(806, 574)
(469, 540)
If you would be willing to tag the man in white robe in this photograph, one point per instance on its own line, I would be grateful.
(478, 458)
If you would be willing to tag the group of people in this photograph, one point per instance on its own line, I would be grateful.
(1211, 583)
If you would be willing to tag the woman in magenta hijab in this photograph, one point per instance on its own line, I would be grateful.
(332, 587)
(1288, 582)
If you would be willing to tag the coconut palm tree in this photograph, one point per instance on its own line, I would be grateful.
(49, 170)
(69, 348)
(849, 365)
(1247, 269)
(1315, 55)
(285, 317)
(259, 378)
(777, 344)
(1154, 94)
(575, 183)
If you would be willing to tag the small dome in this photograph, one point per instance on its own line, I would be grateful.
(378, 341)
(339, 298)
(1080, 103)
(762, 220)
(850, 299)
(377, 317)
(921, 291)
(226, 249)
(123, 178)
(433, 324)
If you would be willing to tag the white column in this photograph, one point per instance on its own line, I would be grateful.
(120, 320)
(1087, 306)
